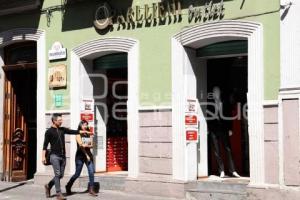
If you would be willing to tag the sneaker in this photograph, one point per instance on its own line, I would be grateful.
(235, 174)
(222, 174)
(47, 190)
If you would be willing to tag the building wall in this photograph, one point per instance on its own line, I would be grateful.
(290, 44)
(155, 43)
(271, 142)
(289, 94)
(75, 26)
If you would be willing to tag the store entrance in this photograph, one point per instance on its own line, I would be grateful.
(230, 75)
(107, 85)
(116, 129)
(19, 149)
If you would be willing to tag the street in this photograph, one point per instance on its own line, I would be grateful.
(28, 190)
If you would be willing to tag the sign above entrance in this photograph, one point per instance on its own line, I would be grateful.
(210, 11)
(105, 15)
(57, 52)
(164, 12)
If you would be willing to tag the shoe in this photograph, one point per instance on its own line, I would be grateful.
(68, 190)
(235, 174)
(47, 190)
(92, 192)
(222, 174)
(60, 196)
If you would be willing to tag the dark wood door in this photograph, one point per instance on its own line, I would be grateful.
(19, 123)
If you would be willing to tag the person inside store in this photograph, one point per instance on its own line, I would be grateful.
(219, 129)
(83, 156)
(55, 135)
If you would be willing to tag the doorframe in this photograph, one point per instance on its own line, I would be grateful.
(202, 35)
(22, 35)
(107, 46)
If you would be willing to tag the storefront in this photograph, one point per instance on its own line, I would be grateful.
(132, 67)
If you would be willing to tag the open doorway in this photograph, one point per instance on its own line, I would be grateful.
(116, 129)
(105, 80)
(20, 87)
(230, 74)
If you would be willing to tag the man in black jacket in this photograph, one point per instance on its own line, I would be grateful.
(55, 135)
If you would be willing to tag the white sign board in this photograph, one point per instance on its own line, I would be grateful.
(191, 106)
(57, 52)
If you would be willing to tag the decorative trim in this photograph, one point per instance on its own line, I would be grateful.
(201, 35)
(270, 103)
(57, 111)
(155, 108)
(105, 46)
(20, 34)
(290, 89)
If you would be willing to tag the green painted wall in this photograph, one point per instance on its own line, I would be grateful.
(75, 26)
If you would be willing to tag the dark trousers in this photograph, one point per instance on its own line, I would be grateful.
(58, 163)
(221, 136)
(91, 170)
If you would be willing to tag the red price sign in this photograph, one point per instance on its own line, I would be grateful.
(192, 135)
(191, 120)
(87, 116)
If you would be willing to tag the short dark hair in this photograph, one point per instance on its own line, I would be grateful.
(55, 116)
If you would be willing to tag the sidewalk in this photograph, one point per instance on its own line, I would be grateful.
(27, 190)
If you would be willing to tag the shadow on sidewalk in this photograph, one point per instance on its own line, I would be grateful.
(12, 187)
(73, 193)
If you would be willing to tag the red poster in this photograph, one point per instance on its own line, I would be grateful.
(87, 116)
(191, 120)
(192, 135)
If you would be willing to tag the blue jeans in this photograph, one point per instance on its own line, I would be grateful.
(58, 163)
(79, 164)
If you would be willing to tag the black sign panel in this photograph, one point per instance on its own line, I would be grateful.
(16, 6)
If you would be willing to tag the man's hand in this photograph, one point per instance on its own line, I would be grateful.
(230, 133)
(44, 157)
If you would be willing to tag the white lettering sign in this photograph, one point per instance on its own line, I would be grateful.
(57, 52)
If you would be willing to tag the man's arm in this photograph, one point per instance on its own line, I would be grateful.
(44, 156)
(45, 145)
(70, 131)
(74, 132)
